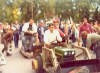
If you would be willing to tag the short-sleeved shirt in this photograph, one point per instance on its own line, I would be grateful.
(51, 37)
(27, 27)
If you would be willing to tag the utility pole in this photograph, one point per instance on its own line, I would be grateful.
(32, 7)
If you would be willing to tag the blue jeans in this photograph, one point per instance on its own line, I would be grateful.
(41, 38)
(84, 42)
(16, 39)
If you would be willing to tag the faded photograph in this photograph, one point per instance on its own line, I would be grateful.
(49, 36)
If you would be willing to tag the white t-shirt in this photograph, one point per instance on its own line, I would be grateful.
(15, 27)
(92, 38)
(51, 37)
(26, 26)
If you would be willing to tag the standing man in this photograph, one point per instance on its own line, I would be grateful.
(41, 29)
(20, 29)
(29, 29)
(85, 26)
(16, 33)
(97, 26)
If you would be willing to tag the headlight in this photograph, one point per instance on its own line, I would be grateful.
(65, 53)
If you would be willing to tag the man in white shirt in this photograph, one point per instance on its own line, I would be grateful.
(51, 36)
(92, 39)
(26, 26)
(29, 29)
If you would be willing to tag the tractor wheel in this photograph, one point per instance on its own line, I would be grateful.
(58, 69)
(37, 64)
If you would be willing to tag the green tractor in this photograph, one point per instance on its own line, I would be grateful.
(64, 54)
(49, 60)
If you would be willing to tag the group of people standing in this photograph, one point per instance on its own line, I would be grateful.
(54, 31)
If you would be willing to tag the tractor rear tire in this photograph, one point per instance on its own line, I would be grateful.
(40, 64)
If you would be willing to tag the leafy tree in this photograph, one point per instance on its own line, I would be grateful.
(39, 9)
